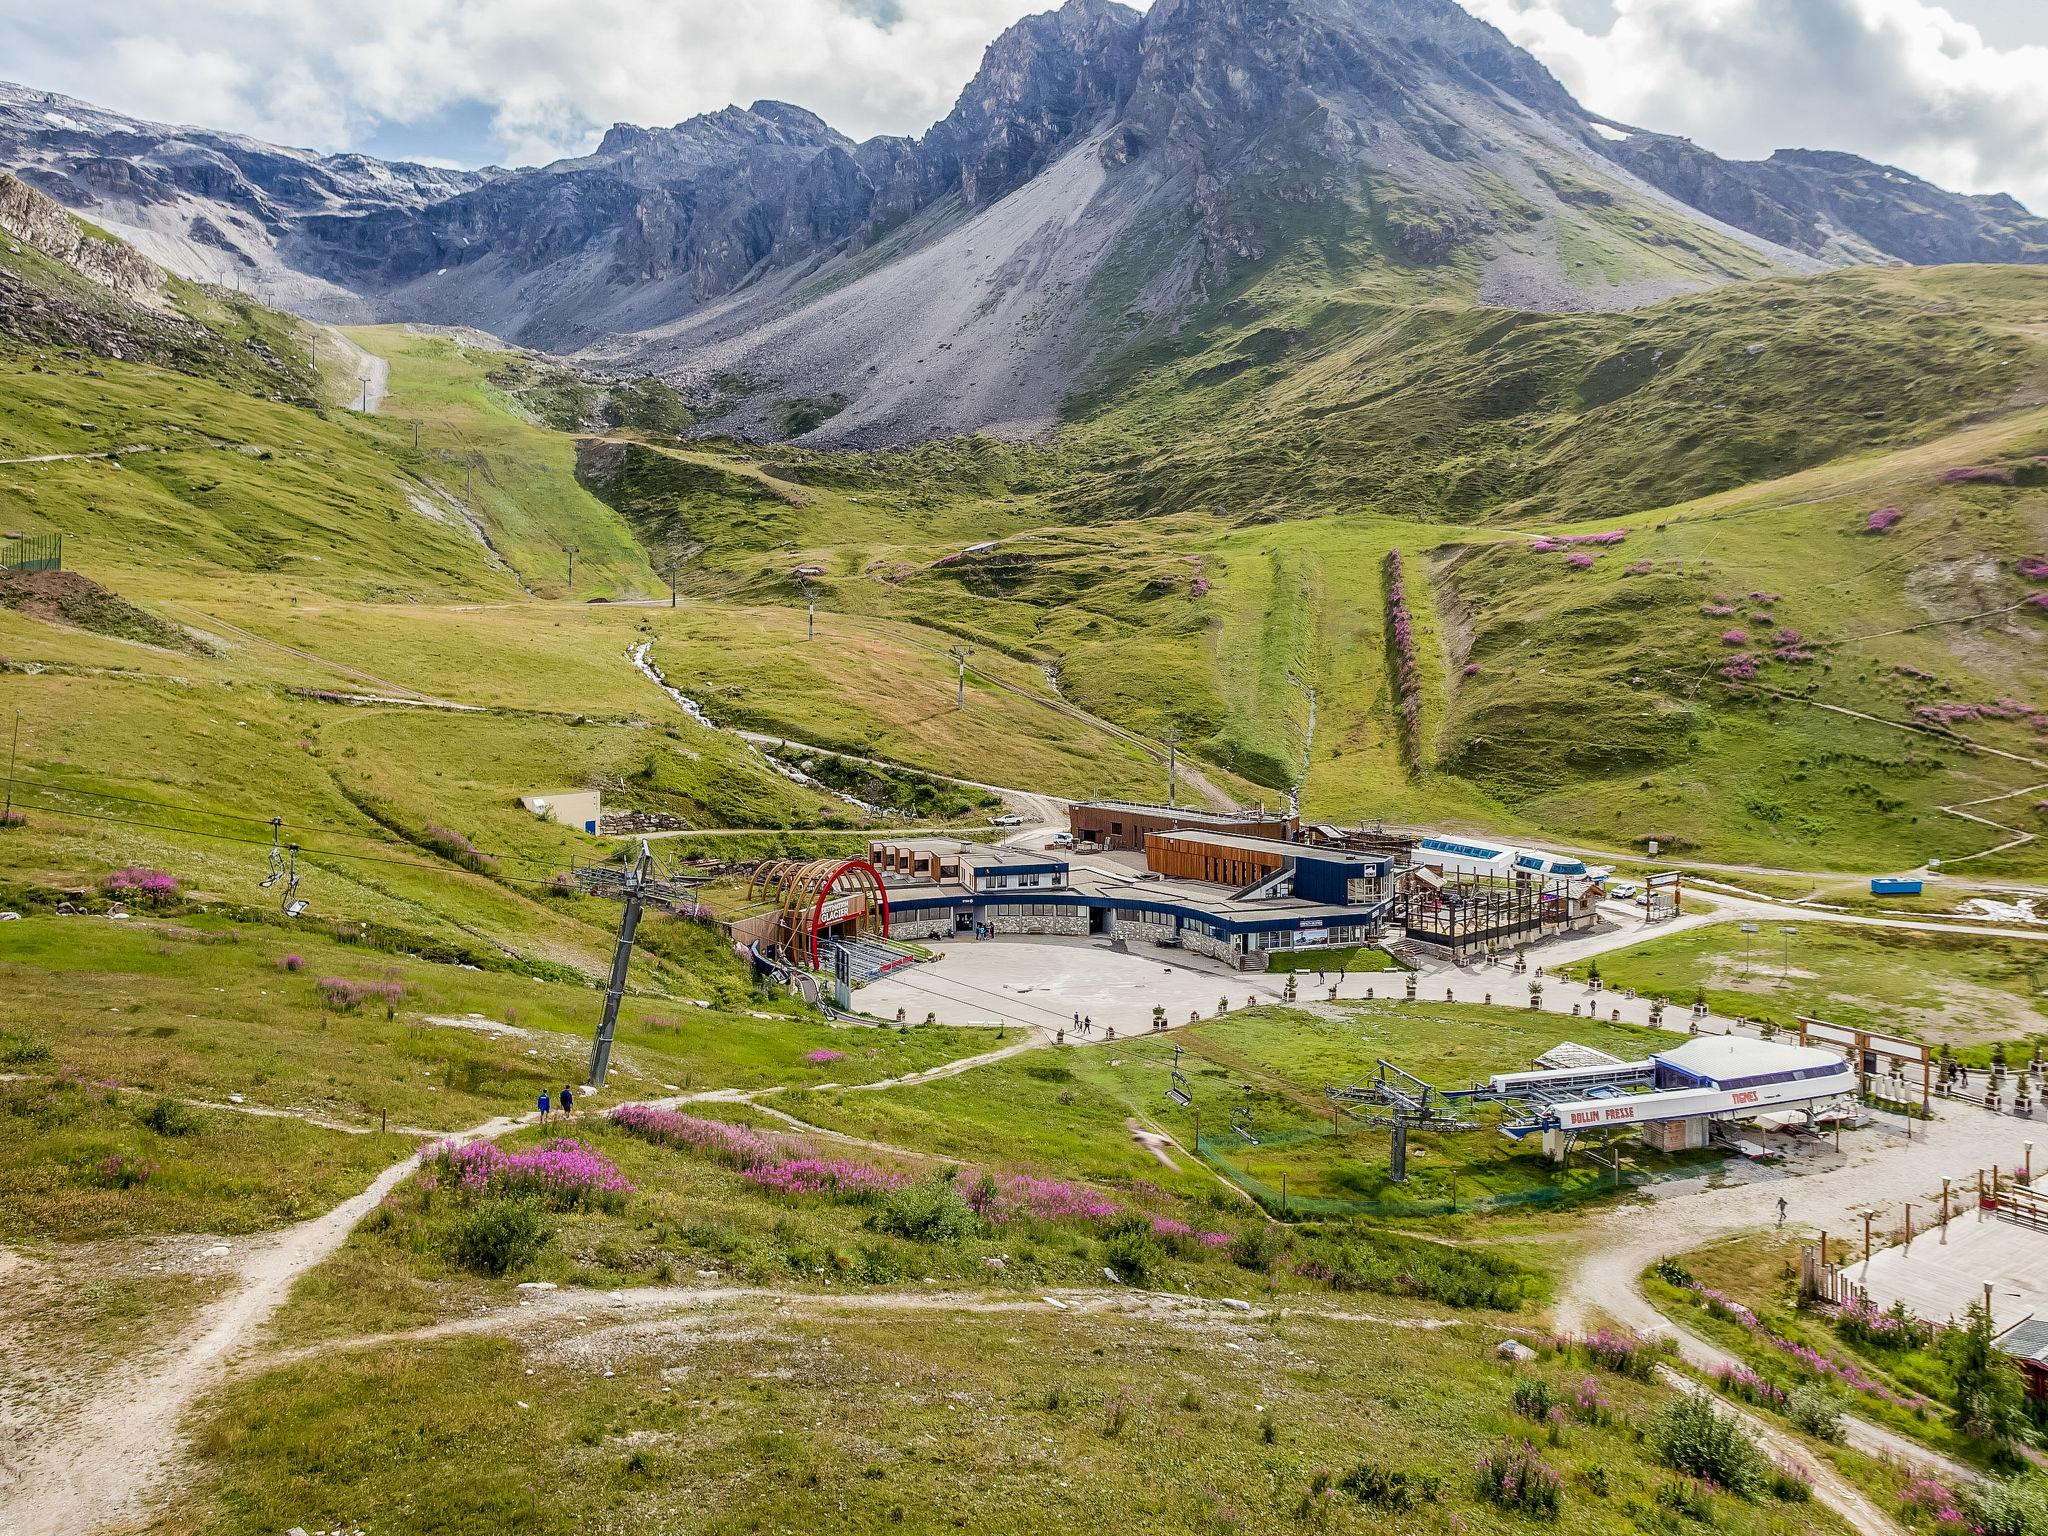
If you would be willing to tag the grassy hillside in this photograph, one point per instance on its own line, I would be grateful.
(1341, 400)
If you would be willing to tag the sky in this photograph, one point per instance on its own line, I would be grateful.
(1953, 91)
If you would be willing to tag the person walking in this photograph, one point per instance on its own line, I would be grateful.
(543, 1103)
(568, 1102)
(1781, 1210)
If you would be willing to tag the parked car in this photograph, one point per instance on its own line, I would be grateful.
(1061, 840)
(1624, 891)
(1009, 820)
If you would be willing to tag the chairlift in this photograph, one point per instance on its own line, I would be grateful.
(277, 870)
(293, 905)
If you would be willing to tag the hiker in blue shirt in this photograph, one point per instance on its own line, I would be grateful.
(543, 1106)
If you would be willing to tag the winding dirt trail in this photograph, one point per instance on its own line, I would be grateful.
(601, 1308)
(95, 1469)
(97, 1462)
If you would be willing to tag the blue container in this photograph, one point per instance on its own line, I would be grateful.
(1895, 887)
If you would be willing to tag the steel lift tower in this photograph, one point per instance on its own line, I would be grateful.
(634, 886)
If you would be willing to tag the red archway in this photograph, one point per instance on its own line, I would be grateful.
(804, 889)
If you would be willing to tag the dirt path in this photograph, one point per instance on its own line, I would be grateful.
(1826, 1192)
(99, 1462)
(1829, 1486)
(95, 1469)
(372, 374)
(601, 1308)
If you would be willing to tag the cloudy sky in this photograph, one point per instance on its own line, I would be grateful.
(1951, 90)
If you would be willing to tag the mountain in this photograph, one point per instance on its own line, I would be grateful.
(1108, 181)
(1837, 206)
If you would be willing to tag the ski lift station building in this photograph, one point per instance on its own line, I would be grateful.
(1673, 1097)
(1458, 856)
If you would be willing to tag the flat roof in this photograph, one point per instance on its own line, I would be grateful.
(1721, 1057)
(989, 858)
(1245, 842)
(1115, 884)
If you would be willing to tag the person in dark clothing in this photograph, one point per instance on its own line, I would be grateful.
(543, 1103)
(568, 1102)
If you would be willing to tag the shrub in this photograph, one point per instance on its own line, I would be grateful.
(562, 1174)
(1671, 1272)
(1883, 520)
(1617, 1350)
(152, 887)
(1389, 1487)
(1116, 1415)
(1862, 1322)
(1006, 1199)
(1987, 1404)
(290, 963)
(928, 1212)
(840, 1178)
(1534, 1399)
(1133, 1252)
(1258, 1247)
(823, 1054)
(167, 1117)
(1817, 1411)
(342, 996)
(1790, 1483)
(20, 1049)
(495, 1237)
(1588, 1406)
(1367, 1260)
(1516, 1478)
(2016, 1506)
(1695, 1437)
(121, 1171)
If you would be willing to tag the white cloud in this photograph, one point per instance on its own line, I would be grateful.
(1902, 81)
(1898, 80)
(552, 72)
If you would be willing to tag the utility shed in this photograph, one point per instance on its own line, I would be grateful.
(2028, 1346)
(571, 807)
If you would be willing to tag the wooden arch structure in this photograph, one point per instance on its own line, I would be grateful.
(815, 894)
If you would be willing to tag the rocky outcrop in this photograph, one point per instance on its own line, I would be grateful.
(35, 220)
(1837, 206)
